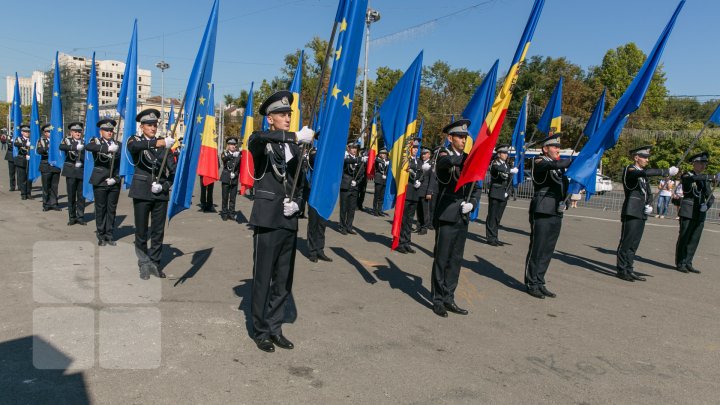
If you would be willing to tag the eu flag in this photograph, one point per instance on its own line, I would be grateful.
(518, 143)
(197, 106)
(551, 119)
(350, 18)
(479, 105)
(127, 107)
(34, 164)
(92, 116)
(56, 157)
(16, 114)
(171, 119)
(419, 138)
(583, 169)
(597, 116)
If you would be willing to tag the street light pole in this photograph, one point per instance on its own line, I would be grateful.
(162, 65)
(370, 17)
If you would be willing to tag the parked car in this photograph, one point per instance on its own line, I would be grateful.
(603, 184)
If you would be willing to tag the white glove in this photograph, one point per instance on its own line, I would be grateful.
(364, 159)
(236, 154)
(27, 143)
(110, 181)
(232, 175)
(384, 177)
(113, 148)
(648, 210)
(466, 207)
(703, 207)
(155, 188)
(169, 141)
(353, 183)
(507, 195)
(80, 147)
(426, 166)
(27, 157)
(417, 184)
(290, 207)
(673, 170)
(77, 164)
(305, 135)
(514, 170)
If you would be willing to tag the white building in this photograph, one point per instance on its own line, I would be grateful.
(26, 87)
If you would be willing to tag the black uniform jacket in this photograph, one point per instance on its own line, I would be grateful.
(448, 201)
(148, 159)
(381, 168)
(550, 185)
(351, 166)
(696, 191)
(499, 179)
(271, 187)
(43, 149)
(230, 164)
(23, 150)
(72, 156)
(637, 190)
(103, 160)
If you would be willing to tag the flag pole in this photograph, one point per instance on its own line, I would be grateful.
(115, 136)
(692, 144)
(172, 135)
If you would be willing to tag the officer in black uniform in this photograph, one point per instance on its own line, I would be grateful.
(316, 223)
(206, 196)
(451, 221)
(150, 191)
(500, 178)
(22, 161)
(49, 174)
(362, 180)
(697, 199)
(381, 168)
(11, 163)
(106, 185)
(229, 178)
(352, 171)
(73, 171)
(274, 217)
(546, 213)
(635, 210)
(425, 192)
(412, 196)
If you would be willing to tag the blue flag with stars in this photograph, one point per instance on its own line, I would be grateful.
(16, 114)
(197, 104)
(127, 107)
(350, 18)
(56, 157)
(92, 116)
(34, 168)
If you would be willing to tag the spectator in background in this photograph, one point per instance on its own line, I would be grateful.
(665, 192)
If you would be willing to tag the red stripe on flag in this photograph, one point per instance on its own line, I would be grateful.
(247, 172)
(397, 219)
(478, 161)
(370, 169)
(208, 165)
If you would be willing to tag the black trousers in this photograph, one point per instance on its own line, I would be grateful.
(423, 213)
(362, 188)
(76, 201)
(315, 233)
(229, 194)
(106, 201)
(11, 172)
(630, 236)
(544, 233)
(50, 181)
(206, 194)
(273, 267)
(149, 216)
(688, 240)
(23, 183)
(448, 255)
(407, 220)
(378, 197)
(348, 205)
(496, 208)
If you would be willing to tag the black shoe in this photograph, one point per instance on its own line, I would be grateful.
(110, 242)
(440, 310)
(313, 259)
(23, 198)
(682, 269)
(144, 272)
(401, 249)
(422, 231)
(155, 271)
(224, 217)
(71, 222)
(410, 249)
(12, 189)
(692, 269)
(56, 208)
(282, 342)
(636, 277)
(624, 276)
(101, 242)
(45, 209)
(265, 345)
(535, 292)
(343, 232)
(493, 243)
(452, 307)
(80, 221)
(351, 232)
(547, 292)
(323, 257)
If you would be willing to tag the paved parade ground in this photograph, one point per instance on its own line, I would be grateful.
(363, 328)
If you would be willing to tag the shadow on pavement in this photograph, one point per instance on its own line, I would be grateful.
(199, 259)
(585, 263)
(344, 254)
(409, 284)
(637, 258)
(484, 268)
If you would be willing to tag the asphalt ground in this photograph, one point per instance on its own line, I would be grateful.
(362, 325)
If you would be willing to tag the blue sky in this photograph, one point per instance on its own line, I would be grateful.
(253, 36)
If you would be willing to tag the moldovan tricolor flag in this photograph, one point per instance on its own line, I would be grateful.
(247, 164)
(208, 162)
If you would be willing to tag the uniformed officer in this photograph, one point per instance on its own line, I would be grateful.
(150, 191)
(352, 171)
(697, 199)
(73, 172)
(22, 161)
(381, 169)
(316, 223)
(412, 196)
(636, 208)
(362, 181)
(546, 212)
(50, 175)
(106, 185)
(206, 196)
(274, 217)
(451, 221)
(500, 177)
(11, 164)
(229, 178)
(425, 192)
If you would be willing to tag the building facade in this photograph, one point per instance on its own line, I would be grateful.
(26, 87)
